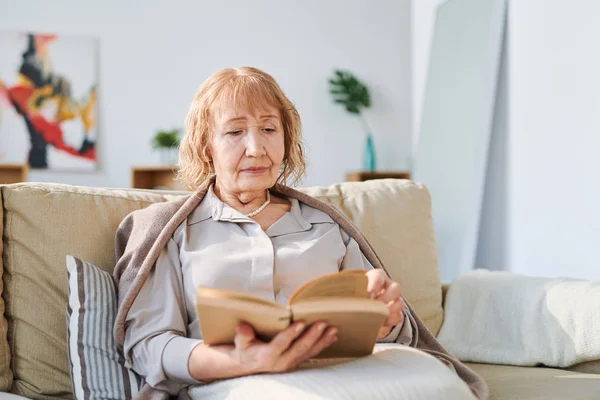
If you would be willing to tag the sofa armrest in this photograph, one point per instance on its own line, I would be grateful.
(590, 367)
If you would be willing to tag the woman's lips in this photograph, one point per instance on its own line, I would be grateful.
(255, 170)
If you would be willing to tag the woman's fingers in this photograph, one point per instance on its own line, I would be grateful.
(392, 292)
(326, 340)
(287, 349)
(384, 331)
(283, 340)
(244, 336)
(305, 346)
(396, 306)
(377, 281)
(396, 315)
(394, 319)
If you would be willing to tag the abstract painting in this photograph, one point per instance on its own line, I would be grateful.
(48, 101)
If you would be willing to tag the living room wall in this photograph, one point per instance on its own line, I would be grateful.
(553, 125)
(539, 215)
(153, 57)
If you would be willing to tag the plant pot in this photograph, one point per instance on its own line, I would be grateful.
(168, 155)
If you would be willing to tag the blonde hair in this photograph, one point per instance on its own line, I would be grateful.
(245, 87)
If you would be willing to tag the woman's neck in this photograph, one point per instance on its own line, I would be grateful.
(244, 202)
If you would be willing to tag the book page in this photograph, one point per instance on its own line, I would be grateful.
(357, 320)
(220, 311)
(207, 291)
(349, 283)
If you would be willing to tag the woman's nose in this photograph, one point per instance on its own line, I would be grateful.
(254, 144)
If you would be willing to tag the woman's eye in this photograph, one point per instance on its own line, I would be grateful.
(235, 133)
(269, 130)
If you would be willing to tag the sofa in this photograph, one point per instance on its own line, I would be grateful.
(42, 223)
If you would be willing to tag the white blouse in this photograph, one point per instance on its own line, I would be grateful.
(218, 246)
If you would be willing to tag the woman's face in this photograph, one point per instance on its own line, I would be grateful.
(247, 148)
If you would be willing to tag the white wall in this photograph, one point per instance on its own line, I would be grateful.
(554, 137)
(152, 58)
(540, 214)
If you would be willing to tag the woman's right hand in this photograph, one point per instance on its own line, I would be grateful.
(250, 355)
(285, 351)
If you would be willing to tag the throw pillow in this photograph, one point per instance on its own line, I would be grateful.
(522, 320)
(96, 367)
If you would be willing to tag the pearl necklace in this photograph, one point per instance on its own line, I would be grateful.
(259, 209)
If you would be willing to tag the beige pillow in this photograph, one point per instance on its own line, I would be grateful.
(395, 216)
(44, 223)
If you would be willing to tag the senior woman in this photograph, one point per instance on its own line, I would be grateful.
(241, 148)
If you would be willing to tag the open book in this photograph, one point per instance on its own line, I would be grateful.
(341, 299)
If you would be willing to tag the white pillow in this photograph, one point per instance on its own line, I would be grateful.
(502, 318)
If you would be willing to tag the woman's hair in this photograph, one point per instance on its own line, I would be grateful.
(244, 87)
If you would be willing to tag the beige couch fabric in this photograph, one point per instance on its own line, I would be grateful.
(519, 383)
(590, 367)
(45, 222)
(395, 216)
(6, 375)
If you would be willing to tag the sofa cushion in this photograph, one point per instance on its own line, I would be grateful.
(523, 383)
(6, 376)
(590, 367)
(45, 222)
(395, 216)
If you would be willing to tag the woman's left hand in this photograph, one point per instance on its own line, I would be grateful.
(384, 289)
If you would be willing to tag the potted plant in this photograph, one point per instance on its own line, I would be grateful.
(348, 91)
(167, 143)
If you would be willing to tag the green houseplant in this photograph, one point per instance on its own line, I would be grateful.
(167, 143)
(350, 92)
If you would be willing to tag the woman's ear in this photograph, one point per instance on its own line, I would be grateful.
(208, 147)
(210, 160)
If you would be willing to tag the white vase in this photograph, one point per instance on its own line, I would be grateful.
(168, 155)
